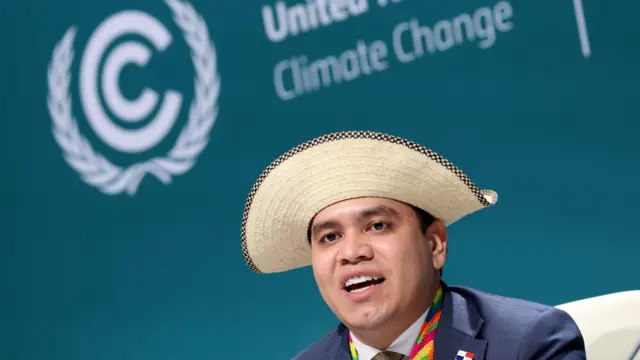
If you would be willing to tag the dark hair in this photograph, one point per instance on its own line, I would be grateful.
(425, 220)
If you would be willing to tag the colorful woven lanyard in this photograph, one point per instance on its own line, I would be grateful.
(424, 347)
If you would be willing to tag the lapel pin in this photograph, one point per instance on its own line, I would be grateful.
(463, 355)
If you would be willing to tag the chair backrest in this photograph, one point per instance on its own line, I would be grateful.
(610, 325)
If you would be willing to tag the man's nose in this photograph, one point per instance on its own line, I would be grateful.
(355, 248)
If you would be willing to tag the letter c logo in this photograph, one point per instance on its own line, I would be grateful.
(130, 52)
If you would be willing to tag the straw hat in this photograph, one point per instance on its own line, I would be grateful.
(340, 166)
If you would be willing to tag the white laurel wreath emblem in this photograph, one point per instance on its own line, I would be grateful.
(94, 168)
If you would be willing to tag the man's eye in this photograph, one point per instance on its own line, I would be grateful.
(329, 238)
(379, 226)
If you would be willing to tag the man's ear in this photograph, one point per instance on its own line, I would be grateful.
(437, 235)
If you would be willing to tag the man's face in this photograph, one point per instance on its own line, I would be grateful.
(372, 262)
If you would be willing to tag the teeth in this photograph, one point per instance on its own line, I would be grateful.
(360, 279)
(360, 289)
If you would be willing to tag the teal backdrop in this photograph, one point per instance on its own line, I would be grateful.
(536, 100)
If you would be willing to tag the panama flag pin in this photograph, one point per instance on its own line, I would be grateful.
(463, 355)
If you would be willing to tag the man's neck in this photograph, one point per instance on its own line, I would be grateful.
(382, 337)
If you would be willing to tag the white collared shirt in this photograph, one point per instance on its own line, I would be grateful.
(403, 344)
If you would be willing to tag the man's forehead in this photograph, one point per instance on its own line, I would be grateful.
(364, 206)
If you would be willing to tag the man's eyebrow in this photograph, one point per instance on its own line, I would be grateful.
(377, 211)
(365, 214)
(317, 227)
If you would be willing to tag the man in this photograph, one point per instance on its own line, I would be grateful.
(369, 212)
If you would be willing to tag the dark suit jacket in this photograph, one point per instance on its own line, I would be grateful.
(491, 327)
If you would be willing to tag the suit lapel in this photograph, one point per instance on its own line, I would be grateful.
(459, 325)
(339, 348)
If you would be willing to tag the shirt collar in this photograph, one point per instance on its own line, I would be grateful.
(403, 344)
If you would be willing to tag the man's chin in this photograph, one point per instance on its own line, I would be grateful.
(364, 319)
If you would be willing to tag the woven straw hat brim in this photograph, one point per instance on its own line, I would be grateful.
(340, 166)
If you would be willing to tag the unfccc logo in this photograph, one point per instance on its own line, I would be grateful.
(100, 73)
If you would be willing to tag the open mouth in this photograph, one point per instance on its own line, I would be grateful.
(362, 283)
